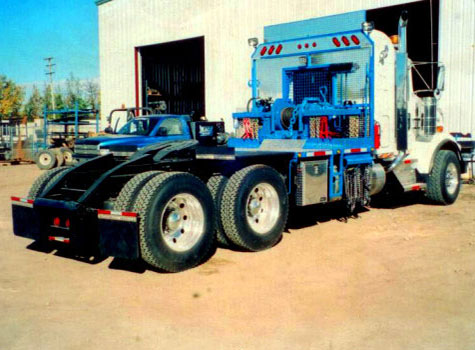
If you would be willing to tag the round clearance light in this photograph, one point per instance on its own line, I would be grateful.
(263, 50)
(345, 41)
(306, 45)
(271, 50)
(336, 42)
(279, 49)
(314, 44)
(355, 39)
(299, 46)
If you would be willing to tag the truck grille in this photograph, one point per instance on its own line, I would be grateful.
(86, 149)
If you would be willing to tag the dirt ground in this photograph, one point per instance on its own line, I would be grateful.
(398, 276)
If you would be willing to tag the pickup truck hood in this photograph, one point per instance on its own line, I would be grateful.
(109, 140)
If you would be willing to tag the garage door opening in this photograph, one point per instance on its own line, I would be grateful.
(173, 77)
(422, 33)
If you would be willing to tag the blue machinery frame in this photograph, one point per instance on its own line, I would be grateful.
(293, 40)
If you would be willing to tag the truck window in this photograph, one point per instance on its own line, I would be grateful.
(143, 126)
(173, 125)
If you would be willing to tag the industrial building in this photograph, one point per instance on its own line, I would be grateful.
(194, 55)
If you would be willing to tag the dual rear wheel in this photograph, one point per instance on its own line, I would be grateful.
(179, 214)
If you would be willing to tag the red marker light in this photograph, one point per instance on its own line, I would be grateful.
(271, 50)
(56, 221)
(299, 46)
(336, 42)
(279, 49)
(345, 41)
(263, 50)
(306, 45)
(355, 39)
(314, 44)
(67, 223)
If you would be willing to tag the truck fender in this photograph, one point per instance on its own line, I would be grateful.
(425, 163)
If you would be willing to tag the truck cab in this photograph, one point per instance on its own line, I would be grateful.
(136, 134)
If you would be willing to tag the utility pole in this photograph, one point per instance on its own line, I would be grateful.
(50, 72)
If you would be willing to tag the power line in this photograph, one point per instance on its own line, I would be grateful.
(50, 72)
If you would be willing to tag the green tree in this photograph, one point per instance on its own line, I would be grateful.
(34, 106)
(92, 93)
(11, 98)
(74, 93)
(47, 96)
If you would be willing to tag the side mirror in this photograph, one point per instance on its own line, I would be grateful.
(162, 131)
(441, 78)
(109, 130)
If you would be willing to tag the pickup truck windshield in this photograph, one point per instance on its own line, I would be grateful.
(142, 126)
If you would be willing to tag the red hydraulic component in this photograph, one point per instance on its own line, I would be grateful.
(325, 133)
(248, 133)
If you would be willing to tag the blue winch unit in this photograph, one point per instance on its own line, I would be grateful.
(312, 94)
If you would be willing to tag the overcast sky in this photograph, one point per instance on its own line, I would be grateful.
(34, 29)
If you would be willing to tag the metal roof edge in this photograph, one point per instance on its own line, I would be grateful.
(100, 2)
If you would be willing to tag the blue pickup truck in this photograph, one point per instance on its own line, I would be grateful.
(137, 133)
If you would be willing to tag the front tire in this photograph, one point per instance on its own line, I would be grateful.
(443, 185)
(176, 229)
(255, 207)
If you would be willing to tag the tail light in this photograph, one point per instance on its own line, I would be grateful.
(345, 41)
(56, 221)
(67, 223)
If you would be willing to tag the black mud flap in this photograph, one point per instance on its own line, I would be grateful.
(26, 222)
(118, 234)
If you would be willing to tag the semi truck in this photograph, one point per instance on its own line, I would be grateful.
(332, 117)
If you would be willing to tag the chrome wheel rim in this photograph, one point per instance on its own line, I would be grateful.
(182, 222)
(451, 178)
(262, 208)
(45, 159)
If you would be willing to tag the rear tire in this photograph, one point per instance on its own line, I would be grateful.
(46, 159)
(216, 185)
(126, 198)
(43, 181)
(255, 207)
(443, 185)
(67, 155)
(59, 157)
(176, 228)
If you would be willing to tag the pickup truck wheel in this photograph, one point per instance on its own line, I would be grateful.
(443, 185)
(216, 186)
(128, 194)
(254, 208)
(46, 159)
(44, 180)
(176, 227)
(67, 155)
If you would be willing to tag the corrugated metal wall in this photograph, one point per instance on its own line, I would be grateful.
(457, 52)
(226, 24)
